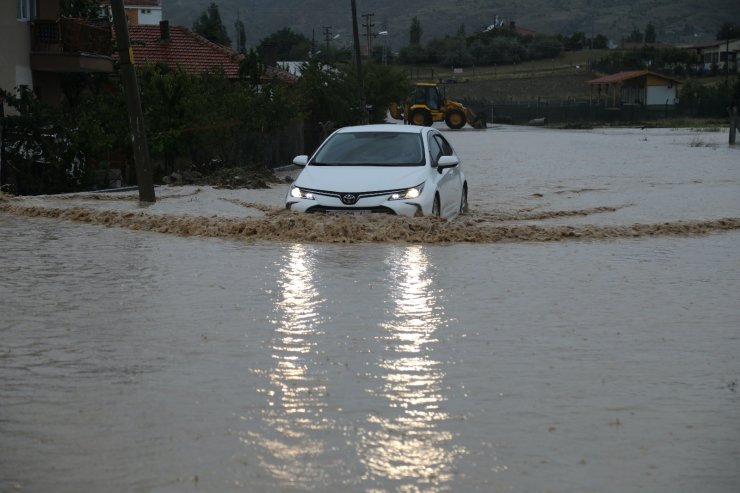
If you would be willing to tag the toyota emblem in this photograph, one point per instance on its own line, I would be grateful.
(349, 198)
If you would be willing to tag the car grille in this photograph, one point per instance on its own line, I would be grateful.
(356, 195)
(351, 210)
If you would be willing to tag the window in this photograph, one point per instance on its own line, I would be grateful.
(25, 9)
(435, 151)
(371, 149)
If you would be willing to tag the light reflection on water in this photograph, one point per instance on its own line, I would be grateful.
(213, 366)
(408, 443)
(399, 436)
(295, 392)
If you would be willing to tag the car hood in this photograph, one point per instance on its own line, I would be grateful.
(360, 178)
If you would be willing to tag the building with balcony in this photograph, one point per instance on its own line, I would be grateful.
(40, 46)
(719, 55)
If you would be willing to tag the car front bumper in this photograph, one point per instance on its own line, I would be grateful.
(369, 205)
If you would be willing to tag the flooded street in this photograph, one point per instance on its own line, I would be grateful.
(578, 330)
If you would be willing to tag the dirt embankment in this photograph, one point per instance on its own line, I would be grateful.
(228, 178)
(523, 87)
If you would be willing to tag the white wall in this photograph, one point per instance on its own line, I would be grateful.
(150, 15)
(659, 94)
(15, 40)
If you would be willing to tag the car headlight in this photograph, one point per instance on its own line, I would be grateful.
(297, 193)
(409, 193)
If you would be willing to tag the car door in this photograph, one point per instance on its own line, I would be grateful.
(449, 184)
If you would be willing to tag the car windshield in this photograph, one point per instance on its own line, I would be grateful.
(371, 149)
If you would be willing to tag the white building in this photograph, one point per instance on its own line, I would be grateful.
(139, 12)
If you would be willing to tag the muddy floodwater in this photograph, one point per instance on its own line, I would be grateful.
(577, 331)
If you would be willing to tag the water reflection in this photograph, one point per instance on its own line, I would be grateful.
(407, 443)
(296, 392)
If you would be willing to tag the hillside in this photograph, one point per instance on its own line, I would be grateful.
(676, 21)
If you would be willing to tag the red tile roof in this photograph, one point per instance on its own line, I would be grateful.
(628, 75)
(189, 51)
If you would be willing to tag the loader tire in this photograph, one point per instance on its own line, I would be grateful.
(455, 119)
(420, 117)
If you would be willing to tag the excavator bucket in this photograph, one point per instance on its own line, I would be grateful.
(476, 120)
(396, 111)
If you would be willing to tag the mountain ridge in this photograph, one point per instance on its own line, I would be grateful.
(676, 22)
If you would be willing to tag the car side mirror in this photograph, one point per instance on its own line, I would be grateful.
(447, 162)
(301, 160)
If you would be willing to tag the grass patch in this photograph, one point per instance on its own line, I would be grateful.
(696, 142)
(694, 124)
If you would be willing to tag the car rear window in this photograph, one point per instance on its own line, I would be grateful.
(371, 149)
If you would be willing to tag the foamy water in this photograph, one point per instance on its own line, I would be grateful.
(577, 331)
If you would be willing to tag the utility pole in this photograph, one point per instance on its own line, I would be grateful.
(133, 104)
(327, 37)
(368, 31)
(358, 61)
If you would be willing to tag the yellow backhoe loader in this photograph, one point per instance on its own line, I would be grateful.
(428, 104)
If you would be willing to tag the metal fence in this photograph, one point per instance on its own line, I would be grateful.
(584, 112)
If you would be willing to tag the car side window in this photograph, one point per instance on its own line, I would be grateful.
(444, 145)
(435, 151)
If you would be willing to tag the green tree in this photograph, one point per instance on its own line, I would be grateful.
(635, 36)
(81, 9)
(544, 47)
(209, 25)
(600, 42)
(415, 32)
(241, 36)
(327, 94)
(40, 147)
(577, 41)
(450, 52)
(413, 55)
(291, 46)
(650, 35)
(383, 85)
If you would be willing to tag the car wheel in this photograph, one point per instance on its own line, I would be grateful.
(435, 207)
(421, 118)
(464, 200)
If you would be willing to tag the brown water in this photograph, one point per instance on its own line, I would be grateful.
(577, 331)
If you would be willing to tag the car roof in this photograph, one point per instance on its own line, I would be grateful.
(385, 127)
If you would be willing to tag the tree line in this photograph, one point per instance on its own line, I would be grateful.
(202, 122)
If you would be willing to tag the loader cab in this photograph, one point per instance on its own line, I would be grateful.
(428, 95)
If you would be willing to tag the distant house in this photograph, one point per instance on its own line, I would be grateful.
(640, 87)
(719, 54)
(176, 46)
(499, 23)
(642, 45)
(144, 12)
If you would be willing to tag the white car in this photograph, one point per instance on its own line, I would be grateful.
(394, 169)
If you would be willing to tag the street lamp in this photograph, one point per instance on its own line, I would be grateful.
(384, 58)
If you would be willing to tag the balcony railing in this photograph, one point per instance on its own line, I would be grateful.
(72, 36)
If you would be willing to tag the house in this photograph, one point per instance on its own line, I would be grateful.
(640, 87)
(139, 12)
(720, 54)
(39, 46)
(15, 38)
(177, 46)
